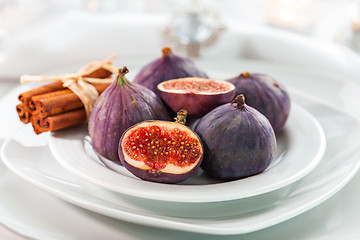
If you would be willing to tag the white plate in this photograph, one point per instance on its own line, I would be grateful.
(18, 215)
(340, 163)
(36, 214)
(301, 146)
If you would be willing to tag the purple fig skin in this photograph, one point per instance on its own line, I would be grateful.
(266, 95)
(196, 104)
(168, 66)
(238, 141)
(120, 106)
(156, 175)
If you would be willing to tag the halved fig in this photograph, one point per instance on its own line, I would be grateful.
(197, 95)
(161, 151)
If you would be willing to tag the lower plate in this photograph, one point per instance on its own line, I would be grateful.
(341, 161)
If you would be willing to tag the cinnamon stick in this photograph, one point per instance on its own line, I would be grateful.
(51, 87)
(32, 103)
(58, 102)
(23, 113)
(57, 122)
(99, 73)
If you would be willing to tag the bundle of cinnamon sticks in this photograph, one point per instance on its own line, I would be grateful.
(53, 107)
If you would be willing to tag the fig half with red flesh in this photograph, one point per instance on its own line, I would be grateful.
(161, 151)
(197, 95)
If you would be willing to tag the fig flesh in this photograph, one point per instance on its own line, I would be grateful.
(161, 151)
(168, 66)
(197, 95)
(120, 106)
(238, 141)
(266, 95)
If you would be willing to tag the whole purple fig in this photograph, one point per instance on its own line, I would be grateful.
(168, 66)
(120, 106)
(266, 95)
(238, 141)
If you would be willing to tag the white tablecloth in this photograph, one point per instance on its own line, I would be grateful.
(77, 37)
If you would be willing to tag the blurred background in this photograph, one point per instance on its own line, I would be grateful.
(40, 35)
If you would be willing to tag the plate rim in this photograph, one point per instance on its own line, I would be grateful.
(172, 224)
(197, 197)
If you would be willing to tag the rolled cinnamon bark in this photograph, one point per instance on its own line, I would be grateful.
(23, 113)
(99, 73)
(57, 122)
(58, 102)
(49, 95)
(23, 109)
(51, 87)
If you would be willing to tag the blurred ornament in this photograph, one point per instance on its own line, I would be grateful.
(93, 5)
(193, 28)
(355, 25)
(297, 15)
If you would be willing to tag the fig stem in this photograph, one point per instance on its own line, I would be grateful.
(181, 116)
(245, 74)
(276, 84)
(239, 100)
(166, 51)
(121, 75)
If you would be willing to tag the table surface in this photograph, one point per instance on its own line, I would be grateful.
(5, 233)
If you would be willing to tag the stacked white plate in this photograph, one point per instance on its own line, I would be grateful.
(317, 155)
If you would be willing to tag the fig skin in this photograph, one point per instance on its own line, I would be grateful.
(267, 95)
(120, 106)
(197, 104)
(158, 176)
(168, 66)
(155, 175)
(238, 141)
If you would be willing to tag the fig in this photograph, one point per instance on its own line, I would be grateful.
(168, 66)
(265, 94)
(197, 95)
(120, 106)
(238, 141)
(161, 151)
